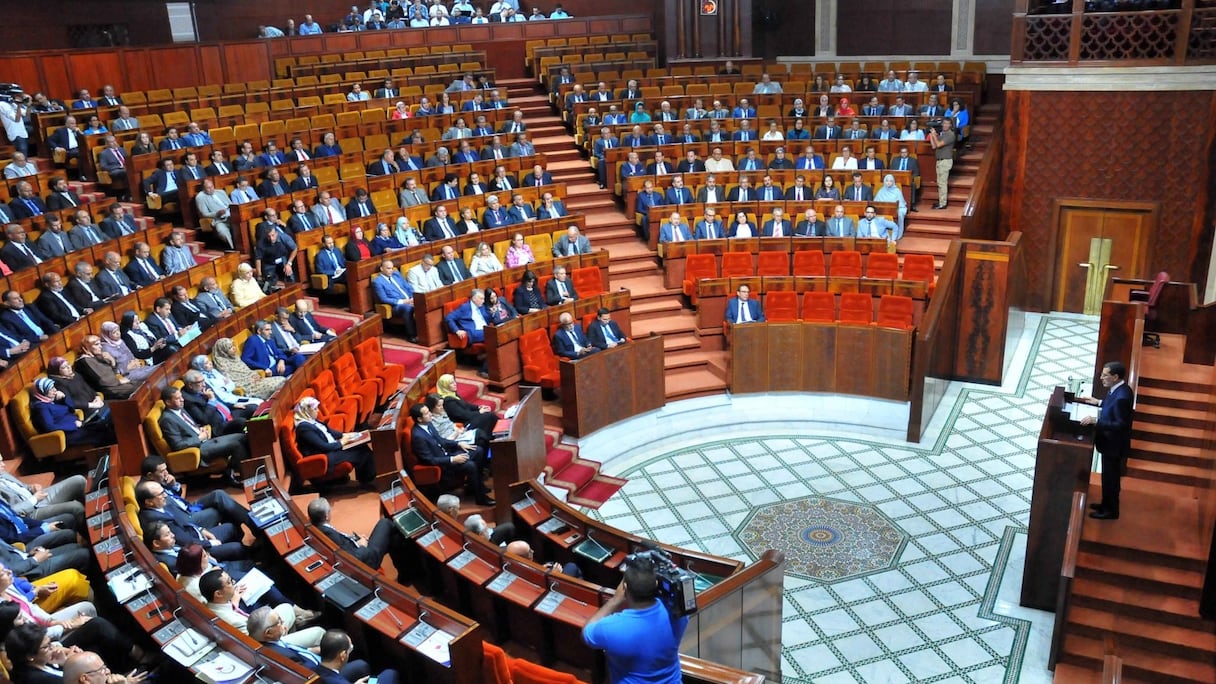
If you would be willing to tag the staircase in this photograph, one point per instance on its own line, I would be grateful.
(1138, 579)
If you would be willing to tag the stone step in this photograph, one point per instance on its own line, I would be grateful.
(625, 269)
(1162, 580)
(687, 383)
(1172, 640)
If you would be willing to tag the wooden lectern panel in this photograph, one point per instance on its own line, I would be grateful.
(891, 363)
(785, 362)
(855, 351)
(819, 349)
(609, 386)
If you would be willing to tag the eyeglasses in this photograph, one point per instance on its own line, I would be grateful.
(103, 668)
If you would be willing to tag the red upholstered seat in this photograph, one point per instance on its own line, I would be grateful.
(525, 672)
(846, 264)
(696, 267)
(856, 308)
(737, 265)
(781, 307)
(327, 392)
(773, 264)
(882, 265)
(810, 263)
(895, 311)
(495, 665)
(311, 467)
(537, 357)
(371, 364)
(819, 307)
(351, 384)
(921, 267)
(587, 281)
(454, 340)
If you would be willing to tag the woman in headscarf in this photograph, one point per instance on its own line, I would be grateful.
(889, 192)
(227, 360)
(223, 386)
(245, 289)
(136, 370)
(315, 437)
(461, 411)
(406, 233)
(51, 410)
(76, 388)
(385, 240)
(142, 343)
(357, 247)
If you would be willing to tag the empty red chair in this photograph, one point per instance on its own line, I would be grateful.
(696, 267)
(587, 281)
(538, 359)
(882, 265)
(525, 672)
(326, 388)
(737, 265)
(810, 263)
(819, 307)
(846, 264)
(773, 264)
(919, 267)
(495, 665)
(856, 308)
(781, 307)
(895, 311)
(371, 364)
(351, 384)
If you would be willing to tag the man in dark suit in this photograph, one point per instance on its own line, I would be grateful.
(742, 309)
(604, 333)
(271, 156)
(19, 253)
(186, 313)
(828, 131)
(261, 353)
(569, 341)
(25, 323)
(142, 269)
(307, 327)
(221, 541)
(304, 179)
(677, 194)
(302, 219)
(82, 289)
(163, 182)
(384, 166)
(335, 653)
(858, 191)
(68, 138)
(219, 166)
(112, 281)
(182, 431)
(432, 449)
(204, 409)
(1112, 436)
(810, 225)
(272, 184)
(538, 177)
(440, 227)
(54, 302)
(118, 223)
(360, 206)
(26, 203)
(370, 551)
(777, 226)
(61, 196)
(451, 267)
(559, 289)
(161, 323)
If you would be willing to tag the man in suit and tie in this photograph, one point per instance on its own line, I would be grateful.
(677, 194)
(26, 203)
(163, 182)
(550, 208)
(411, 195)
(538, 177)
(829, 130)
(172, 141)
(573, 243)
(84, 234)
(873, 107)
(884, 131)
(599, 150)
(118, 223)
(522, 147)
(1112, 435)
(447, 190)
(751, 161)
(904, 161)
(218, 166)
(19, 253)
(742, 309)
(271, 156)
(82, 289)
(691, 163)
(424, 276)
(328, 211)
(221, 541)
(330, 262)
(161, 322)
(495, 216)
(515, 125)
(371, 551)
(769, 191)
(858, 191)
(777, 226)
(69, 138)
(648, 198)
(520, 211)
(261, 353)
(899, 108)
(502, 181)
(6, 213)
(495, 150)
(451, 267)
(468, 321)
(569, 340)
(710, 226)
(307, 327)
(304, 179)
(212, 300)
(799, 191)
(142, 270)
(711, 192)
(361, 206)
(560, 289)
(190, 171)
(454, 458)
(61, 196)
(441, 227)
(112, 281)
(176, 257)
(186, 312)
(54, 242)
(674, 229)
(840, 225)
(931, 108)
(854, 131)
(743, 192)
(809, 161)
(55, 304)
(870, 162)
(301, 218)
(391, 288)
(386, 165)
(406, 161)
(745, 132)
(810, 225)
(466, 154)
(25, 323)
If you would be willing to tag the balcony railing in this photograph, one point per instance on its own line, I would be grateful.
(1081, 32)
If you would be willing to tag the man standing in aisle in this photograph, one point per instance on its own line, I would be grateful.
(1113, 435)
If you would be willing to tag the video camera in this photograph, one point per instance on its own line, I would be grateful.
(935, 124)
(676, 586)
(12, 92)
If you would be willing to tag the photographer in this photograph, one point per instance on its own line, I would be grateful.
(943, 152)
(14, 106)
(639, 637)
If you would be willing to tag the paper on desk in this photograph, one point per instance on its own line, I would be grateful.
(1077, 411)
(256, 585)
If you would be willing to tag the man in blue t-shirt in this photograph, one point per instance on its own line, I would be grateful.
(638, 636)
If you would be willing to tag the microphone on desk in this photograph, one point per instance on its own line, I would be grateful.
(533, 503)
(434, 527)
(387, 607)
(155, 604)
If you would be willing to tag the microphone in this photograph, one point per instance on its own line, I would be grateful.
(434, 527)
(155, 604)
(533, 504)
(387, 607)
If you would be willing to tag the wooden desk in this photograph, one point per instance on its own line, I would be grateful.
(611, 385)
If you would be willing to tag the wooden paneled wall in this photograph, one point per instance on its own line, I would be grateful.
(1124, 145)
(62, 72)
(893, 27)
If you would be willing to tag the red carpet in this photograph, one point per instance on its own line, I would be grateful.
(580, 477)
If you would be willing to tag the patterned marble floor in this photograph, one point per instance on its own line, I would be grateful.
(941, 606)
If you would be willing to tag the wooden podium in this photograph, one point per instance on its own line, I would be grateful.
(612, 385)
(1062, 465)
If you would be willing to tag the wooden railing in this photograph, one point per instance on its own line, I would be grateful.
(1044, 35)
(1072, 545)
(982, 210)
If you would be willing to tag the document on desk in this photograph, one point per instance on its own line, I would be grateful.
(128, 581)
(189, 647)
(1077, 411)
(222, 668)
(256, 584)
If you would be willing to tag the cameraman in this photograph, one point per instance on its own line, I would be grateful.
(13, 110)
(943, 152)
(639, 638)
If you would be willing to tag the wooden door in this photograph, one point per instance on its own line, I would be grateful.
(1096, 241)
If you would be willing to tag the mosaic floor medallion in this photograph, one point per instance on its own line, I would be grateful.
(824, 539)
